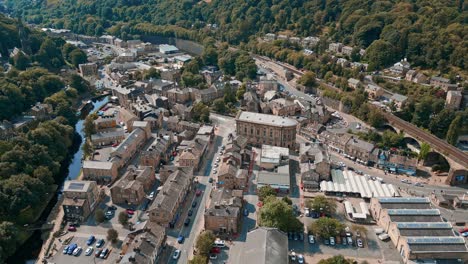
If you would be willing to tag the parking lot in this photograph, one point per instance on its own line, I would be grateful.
(82, 258)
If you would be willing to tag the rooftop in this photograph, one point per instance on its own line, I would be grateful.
(101, 165)
(270, 120)
(265, 246)
(273, 178)
(273, 154)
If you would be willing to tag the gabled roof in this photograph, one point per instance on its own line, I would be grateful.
(265, 246)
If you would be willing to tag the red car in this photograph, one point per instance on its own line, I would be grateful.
(115, 145)
(72, 228)
(130, 211)
(198, 192)
(463, 230)
(215, 250)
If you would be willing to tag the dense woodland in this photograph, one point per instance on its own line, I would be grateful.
(32, 159)
(430, 33)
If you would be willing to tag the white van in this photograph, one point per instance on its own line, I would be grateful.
(384, 236)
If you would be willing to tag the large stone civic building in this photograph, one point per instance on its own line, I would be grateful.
(267, 129)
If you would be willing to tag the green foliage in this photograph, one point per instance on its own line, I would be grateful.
(454, 130)
(308, 79)
(424, 151)
(321, 204)
(77, 56)
(241, 91)
(88, 125)
(391, 140)
(199, 259)
(245, 67)
(287, 200)
(99, 216)
(265, 191)
(326, 227)
(21, 61)
(276, 213)
(380, 54)
(112, 235)
(123, 218)
(201, 113)
(205, 242)
(151, 73)
(337, 260)
(8, 236)
(219, 106)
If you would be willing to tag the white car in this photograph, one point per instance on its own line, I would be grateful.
(77, 251)
(293, 256)
(332, 241)
(89, 251)
(151, 196)
(300, 259)
(311, 239)
(176, 254)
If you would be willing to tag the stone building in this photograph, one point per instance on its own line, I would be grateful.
(100, 171)
(80, 199)
(267, 129)
(132, 187)
(224, 211)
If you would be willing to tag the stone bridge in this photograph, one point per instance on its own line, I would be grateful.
(457, 159)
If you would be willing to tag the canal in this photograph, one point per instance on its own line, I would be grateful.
(29, 251)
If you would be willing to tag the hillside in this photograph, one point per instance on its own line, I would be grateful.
(430, 33)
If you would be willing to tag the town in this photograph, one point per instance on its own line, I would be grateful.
(178, 167)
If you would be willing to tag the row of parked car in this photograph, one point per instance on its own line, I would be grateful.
(75, 250)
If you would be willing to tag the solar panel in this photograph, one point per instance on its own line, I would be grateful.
(410, 200)
(423, 225)
(413, 212)
(76, 186)
(436, 240)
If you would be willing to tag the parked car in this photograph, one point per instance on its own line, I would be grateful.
(311, 239)
(176, 254)
(89, 251)
(219, 243)
(65, 249)
(295, 236)
(326, 241)
(180, 239)
(198, 192)
(343, 240)
(306, 212)
(71, 229)
(104, 253)
(300, 259)
(130, 211)
(71, 248)
(215, 250)
(77, 251)
(187, 222)
(293, 256)
(359, 243)
(190, 212)
(97, 253)
(332, 241)
(301, 236)
(463, 230)
(210, 180)
(90, 240)
(350, 240)
(151, 195)
(100, 243)
(194, 204)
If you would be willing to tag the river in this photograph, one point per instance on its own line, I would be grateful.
(29, 251)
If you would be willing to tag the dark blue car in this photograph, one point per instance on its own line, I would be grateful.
(90, 240)
(71, 248)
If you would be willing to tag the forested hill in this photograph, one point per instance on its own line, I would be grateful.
(428, 32)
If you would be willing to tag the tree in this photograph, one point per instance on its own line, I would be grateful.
(205, 242)
(245, 67)
(99, 216)
(88, 127)
(265, 191)
(201, 113)
(241, 91)
(123, 218)
(287, 200)
(308, 79)
(380, 54)
(112, 235)
(210, 56)
(8, 235)
(219, 106)
(424, 151)
(336, 260)
(21, 61)
(77, 57)
(229, 95)
(151, 73)
(321, 204)
(326, 227)
(198, 259)
(454, 130)
(375, 118)
(278, 214)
